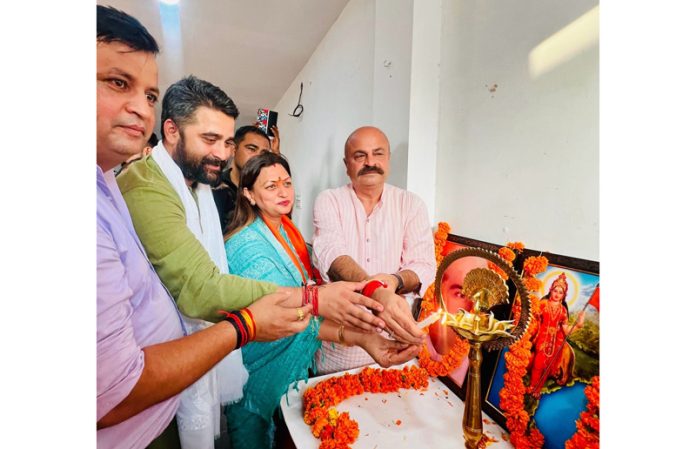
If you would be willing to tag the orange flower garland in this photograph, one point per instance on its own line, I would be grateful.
(534, 265)
(523, 434)
(587, 435)
(512, 397)
(337, 430)
(533, 284)
(460, 349)
(440, 237)
(501, 273)
(456, 353)
(508, 253)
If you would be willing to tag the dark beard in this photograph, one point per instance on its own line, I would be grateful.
(194, 170)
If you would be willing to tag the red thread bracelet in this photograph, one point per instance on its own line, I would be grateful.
(251, 324)
(237, 320)
(315, 300)
(371, 286)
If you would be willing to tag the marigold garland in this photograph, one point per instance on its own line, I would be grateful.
(497, 269)
(587, 435)
(456, 354)
(508, 253)
(523, 432)
(440, 237)
(534, 265)
(512, 397)
(532, 284)
(336, 429)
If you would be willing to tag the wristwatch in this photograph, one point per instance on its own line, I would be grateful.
(399, 282)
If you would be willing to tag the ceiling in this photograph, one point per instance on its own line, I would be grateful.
(252, 50)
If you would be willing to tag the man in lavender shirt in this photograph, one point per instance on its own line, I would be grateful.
(143, 358)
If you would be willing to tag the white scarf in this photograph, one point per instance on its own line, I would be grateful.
(198, 416)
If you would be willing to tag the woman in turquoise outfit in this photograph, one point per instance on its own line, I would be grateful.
(262, 243)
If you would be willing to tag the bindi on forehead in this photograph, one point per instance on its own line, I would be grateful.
(278, 182)
(280, 179)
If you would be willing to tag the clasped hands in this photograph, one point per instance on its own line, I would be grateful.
(282, 314)
(396, 312)
(341, 302)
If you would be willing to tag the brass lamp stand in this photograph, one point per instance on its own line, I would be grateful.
(486, 288)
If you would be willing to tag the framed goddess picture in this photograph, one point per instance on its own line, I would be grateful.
(442, 341)
(564, 354)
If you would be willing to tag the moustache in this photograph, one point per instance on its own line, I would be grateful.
(370, 169)
(213, 161)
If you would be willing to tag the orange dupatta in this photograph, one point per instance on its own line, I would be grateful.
(300, 247)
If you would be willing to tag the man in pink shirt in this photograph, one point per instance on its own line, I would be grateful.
(369, 229)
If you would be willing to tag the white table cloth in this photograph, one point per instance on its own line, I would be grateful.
(430, 418)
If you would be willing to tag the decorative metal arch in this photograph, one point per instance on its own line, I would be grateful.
(525, 315)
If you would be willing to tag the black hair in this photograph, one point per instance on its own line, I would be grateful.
(152, 141)
(117, 26)
(184, 97)
(244, 130)
(244, 212)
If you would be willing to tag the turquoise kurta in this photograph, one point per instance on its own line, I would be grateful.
(255, 253)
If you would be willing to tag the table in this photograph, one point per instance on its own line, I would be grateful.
(429, 418)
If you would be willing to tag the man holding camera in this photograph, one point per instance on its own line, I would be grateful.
(250, 141)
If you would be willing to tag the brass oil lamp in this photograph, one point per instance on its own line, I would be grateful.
(486, 289)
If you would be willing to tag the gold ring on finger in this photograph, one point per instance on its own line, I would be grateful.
(300, 314)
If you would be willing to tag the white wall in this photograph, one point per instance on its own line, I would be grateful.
(337, 98)
(518, 161)
(425, 101)
(392, 80)
(500, 149)
(347, 84)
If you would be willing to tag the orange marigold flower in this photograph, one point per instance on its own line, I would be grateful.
(587, 435)
(494, 267)
(532, 284)
(440, 239)
(428, 304)
(507, 254)
(512, 396)
(516, 246)
(450, 361)
(534, 265)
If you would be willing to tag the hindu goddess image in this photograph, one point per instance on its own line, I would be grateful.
(553, 357)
